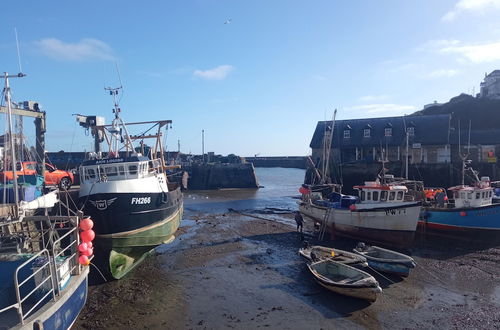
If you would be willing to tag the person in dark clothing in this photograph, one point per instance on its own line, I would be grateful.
(299, 220)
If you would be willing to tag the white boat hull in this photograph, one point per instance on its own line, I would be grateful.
(391, 225)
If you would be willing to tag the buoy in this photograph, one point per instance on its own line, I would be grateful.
(352, 207)
(84, 260)
(87, 235)
(83, 247)
(86, 224)
(333, 253)
(88, 252)
(89, 245)
(463, 214)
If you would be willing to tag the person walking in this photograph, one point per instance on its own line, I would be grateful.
(299, 220)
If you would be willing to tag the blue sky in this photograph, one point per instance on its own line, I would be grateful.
(257, 85)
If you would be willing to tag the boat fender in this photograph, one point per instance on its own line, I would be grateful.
(164, 197)
(352, 207)
(463, 213)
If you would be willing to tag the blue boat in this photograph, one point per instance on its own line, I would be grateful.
(42, 284)
(386, 261)
(471, 213)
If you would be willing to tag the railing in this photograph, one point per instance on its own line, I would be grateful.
(42, 269)
(46, 274)
(72, 258)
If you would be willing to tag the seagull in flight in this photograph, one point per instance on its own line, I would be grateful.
(227, 21)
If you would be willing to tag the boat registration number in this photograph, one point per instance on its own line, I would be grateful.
(141, 200)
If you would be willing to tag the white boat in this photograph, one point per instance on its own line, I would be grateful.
(345, 280)
(380, 213)
(316, 252)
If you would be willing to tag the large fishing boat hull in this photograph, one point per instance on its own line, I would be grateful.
(481, 222)
(393, 226)
(129, 225)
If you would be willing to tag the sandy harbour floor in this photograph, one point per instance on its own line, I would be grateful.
(229, 270)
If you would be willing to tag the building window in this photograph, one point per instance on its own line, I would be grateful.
(366, 132)
(411, 131)
(388, 132)
(347, 134)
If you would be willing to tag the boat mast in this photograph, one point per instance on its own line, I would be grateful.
(6, 76)
(327, 149)
(465, 155)
(117, 126)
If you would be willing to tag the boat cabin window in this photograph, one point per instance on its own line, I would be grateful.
(490, 194)
(362, 195)
(121, 169)
(462, 195)
(132, 169)
(400, 196)
(368, 195)
(111, 171)
(101, 172)
(469, 195)
(484, 194)
(478, 195)
(375, 196)
(383, 195)
(392, 195)
(91, 173)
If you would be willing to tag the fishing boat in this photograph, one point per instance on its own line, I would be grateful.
(345, 280)
(316, 252)
(471, 212)
(385, 260)
(380, 213)
(42, 284)
(127, 193)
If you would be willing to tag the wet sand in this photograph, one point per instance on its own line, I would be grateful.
(227, 270)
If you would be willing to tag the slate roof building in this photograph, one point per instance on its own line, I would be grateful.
(431, 140)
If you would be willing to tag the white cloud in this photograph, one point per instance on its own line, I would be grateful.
(478, 53)
(479, 6)
(442, 73)
(371, 98)
(217, 73)
(473, 53)
(85, 49)
(381, 109)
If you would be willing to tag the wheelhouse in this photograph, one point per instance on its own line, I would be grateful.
(374, 192)
(116, 169)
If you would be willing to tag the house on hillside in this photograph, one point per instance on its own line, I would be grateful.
(490, 86)
(431, 140)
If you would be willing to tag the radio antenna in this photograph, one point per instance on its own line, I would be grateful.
(18, 52)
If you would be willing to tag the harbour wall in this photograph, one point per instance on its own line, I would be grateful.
(221, 175)
(284, 161)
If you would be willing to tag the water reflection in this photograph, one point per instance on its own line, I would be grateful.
(279, 187)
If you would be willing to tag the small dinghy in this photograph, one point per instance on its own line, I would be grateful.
(316, 252)
(386, 261)
(344, 279)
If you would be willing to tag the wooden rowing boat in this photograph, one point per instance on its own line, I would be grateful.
(345, 280)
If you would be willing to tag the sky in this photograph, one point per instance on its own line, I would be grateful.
(256, 76)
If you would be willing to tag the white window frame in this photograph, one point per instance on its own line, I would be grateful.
(367, 132)
(347, 134)
(388, 131)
